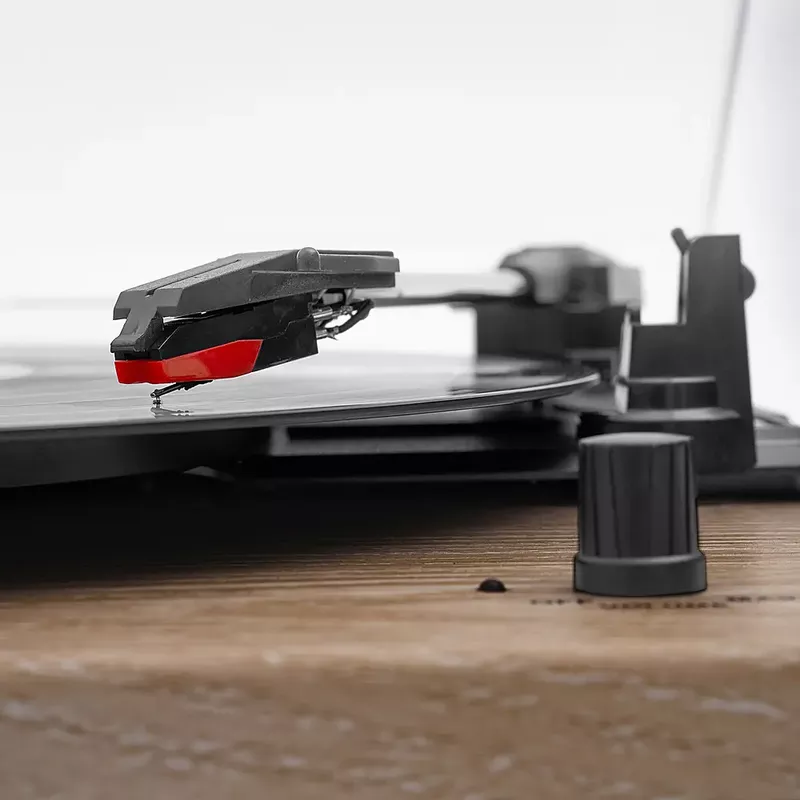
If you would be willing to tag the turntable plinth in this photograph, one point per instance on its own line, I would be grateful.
(355, 659)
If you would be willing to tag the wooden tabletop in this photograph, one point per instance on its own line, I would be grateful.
(185, 639)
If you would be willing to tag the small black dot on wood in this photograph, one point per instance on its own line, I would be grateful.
(492, 585)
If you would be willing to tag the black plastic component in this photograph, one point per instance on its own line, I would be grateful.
(521, 444)
(574, 309)
(516, 329)
(692, 377)
(748, 279)
(656, 393)
(240, 282)
(637, 517)
(285, 326)
(575, 276)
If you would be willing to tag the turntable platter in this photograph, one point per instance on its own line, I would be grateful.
(65, 417)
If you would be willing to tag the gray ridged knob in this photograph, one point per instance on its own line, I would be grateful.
(637, 518)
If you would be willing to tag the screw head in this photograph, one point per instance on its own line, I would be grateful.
(492, 585)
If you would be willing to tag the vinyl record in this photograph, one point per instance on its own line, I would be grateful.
(64, 417)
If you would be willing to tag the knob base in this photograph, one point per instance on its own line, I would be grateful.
(640, 577)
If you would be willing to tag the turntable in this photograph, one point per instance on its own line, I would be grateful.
(561, 355)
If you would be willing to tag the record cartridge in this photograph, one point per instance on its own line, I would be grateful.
(242, 313)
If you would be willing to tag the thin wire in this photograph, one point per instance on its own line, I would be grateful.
(726, 114)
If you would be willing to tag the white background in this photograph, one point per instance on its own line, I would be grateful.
(139, 139)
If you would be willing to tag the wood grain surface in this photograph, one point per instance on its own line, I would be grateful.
(184, 639)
